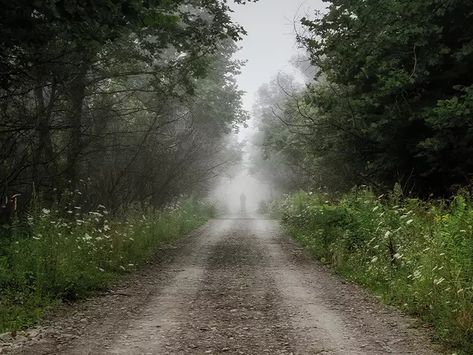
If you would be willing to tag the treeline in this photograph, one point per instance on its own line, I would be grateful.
(391, 100)
(126, 101)
(111, 114)
(378, 139)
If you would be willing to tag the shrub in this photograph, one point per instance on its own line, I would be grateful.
(64, 254)
(417, 255)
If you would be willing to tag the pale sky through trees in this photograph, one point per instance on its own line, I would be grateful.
(268, 48)
(270, 42)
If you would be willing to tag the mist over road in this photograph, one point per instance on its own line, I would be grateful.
(237, 286)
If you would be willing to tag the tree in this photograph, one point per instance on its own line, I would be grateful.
(282, 157)
(100, 89)
(394, 88)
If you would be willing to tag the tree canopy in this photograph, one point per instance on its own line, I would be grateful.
(131, 100)
(391, 101)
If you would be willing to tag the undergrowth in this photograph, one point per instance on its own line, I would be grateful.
(417, 255)
(62, 254)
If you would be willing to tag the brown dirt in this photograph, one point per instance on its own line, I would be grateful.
(236, 286)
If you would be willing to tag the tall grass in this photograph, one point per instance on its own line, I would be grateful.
(417, 255)
(64, 254)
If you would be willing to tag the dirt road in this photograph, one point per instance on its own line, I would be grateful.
(237, 286)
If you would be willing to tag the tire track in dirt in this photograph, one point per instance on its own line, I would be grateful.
(236, 309)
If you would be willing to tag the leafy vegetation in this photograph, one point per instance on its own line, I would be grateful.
(133, 103)
(63, 254)
(391, 99)
(138, 96)
(414, 254)
(388, 104)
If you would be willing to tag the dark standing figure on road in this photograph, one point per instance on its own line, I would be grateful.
(243, 203)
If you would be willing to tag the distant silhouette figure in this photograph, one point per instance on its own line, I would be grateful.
(243, 203)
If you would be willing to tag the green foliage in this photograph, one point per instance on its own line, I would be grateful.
(139, 96)
(64, 254)
(391, 100)
(416, 255)
(281, 159)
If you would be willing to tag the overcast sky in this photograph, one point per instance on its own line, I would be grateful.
(270, 42)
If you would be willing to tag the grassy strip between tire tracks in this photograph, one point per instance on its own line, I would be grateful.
(64, 255)
(414, 254)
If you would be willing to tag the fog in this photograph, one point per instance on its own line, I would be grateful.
(229, 189)
(228, 192)
(268, 49)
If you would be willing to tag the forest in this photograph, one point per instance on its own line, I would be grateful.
(128, 100)
(118, 117)
(390, 100)
(378, 142)
(115, 116)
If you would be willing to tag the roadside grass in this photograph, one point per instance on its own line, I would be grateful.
(61, 255)
(416, 255)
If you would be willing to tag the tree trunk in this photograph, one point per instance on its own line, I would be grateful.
(77, 93)
(45, 159)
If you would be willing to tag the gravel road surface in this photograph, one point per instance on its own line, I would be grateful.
(235, 286)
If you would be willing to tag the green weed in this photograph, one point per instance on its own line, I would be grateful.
(417, 255)
(64, 254)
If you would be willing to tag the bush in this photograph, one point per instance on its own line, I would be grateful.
(64, 254)
(417, 255)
